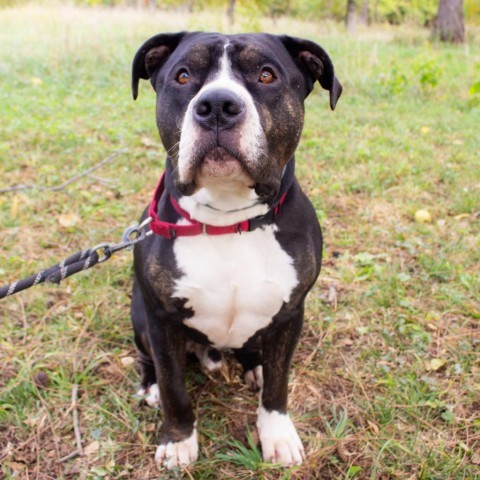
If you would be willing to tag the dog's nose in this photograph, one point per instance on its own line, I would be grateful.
(219, 109)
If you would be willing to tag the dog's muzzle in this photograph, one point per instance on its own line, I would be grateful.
(219, 110)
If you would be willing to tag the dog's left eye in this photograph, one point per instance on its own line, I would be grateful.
(266, 76)
(183, 77)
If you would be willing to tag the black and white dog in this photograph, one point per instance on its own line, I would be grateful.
(237, 245)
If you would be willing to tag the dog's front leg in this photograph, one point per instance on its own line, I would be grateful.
(178, 445)
(278, 435)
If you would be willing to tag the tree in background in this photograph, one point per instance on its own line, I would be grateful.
(449, 24)
(352, 18)
(231, 11)
(365, 12)
(353, 12)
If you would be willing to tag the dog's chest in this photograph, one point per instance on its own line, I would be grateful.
(234, 284)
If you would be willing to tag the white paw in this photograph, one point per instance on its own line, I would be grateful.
(201, 351)
(254, 378)
(151, 395)
(211, 365)
(279, 438)
(178, 454)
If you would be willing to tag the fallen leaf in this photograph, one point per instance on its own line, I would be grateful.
(127, 361)
(475, 459)
(16, 466)
(68, 219)
(373, 427)
(423, 216)
(435, 364)
(345, 342)
(92, 448)
(332, 296)
(151, 427)
(147, 142)
(8, 450)
(14, 208)
(35, 421)
(343, 453)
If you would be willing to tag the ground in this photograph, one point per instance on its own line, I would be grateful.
(385, 382)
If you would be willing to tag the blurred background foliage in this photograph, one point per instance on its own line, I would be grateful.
(420, 12)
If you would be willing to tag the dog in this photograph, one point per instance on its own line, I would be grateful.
(237, 244)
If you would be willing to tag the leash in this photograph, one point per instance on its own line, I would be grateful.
(100, 253)
(80, 261)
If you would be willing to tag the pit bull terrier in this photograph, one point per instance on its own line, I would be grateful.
(237, 244)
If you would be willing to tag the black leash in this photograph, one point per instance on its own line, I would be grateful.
(79, 261)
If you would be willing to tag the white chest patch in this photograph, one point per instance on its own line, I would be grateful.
(235, 284)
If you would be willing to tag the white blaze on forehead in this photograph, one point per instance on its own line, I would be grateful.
(224, 72)
(225, 64)
(251, 138)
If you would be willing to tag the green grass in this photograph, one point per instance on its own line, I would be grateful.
(385, 382)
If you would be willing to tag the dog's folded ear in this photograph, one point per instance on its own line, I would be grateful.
(314, 61)
(152, 55)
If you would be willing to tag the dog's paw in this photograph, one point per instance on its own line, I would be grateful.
(209, 358)
(151, 395)
(279, 438)
(254, 378)
(211, 364)
(178, 454)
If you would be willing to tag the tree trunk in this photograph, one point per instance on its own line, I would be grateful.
(365, 13)
(231, 11)
(449, 25)
(350, 18)
(375, 12)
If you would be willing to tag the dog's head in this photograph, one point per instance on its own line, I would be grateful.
(231, 106)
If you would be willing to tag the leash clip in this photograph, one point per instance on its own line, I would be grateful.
(103, 250)
(135, 233)
(132, 235)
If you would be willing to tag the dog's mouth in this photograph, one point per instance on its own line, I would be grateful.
(213, 163)
(219, 163)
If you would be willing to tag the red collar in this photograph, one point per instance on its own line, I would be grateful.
(172, 230)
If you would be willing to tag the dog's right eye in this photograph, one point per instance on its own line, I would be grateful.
(183, 77)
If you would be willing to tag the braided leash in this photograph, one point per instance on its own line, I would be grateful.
(80, 261)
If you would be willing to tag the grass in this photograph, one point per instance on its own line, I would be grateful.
(385, 382)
